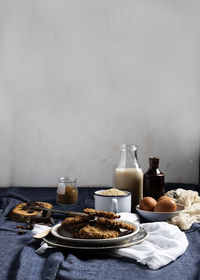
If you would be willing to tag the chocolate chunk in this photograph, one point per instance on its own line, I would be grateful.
(21, 232)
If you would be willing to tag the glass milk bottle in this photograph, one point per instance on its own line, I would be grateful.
(129, 175)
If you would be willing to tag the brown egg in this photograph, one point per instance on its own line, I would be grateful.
(147, 203)
(165, 205)
(165, 197)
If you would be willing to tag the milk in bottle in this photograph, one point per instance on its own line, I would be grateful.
(129, 175)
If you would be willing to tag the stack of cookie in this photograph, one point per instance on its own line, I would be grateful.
(96, 225)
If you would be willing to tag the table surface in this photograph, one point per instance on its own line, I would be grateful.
(19, 260)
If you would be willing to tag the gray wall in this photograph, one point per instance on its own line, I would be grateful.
(79, 78)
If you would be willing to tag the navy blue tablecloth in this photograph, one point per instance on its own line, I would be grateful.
(19, 261)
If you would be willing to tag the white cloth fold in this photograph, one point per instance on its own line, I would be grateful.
(39, 228)
(191, 200)
(43, 246)
(164, 243)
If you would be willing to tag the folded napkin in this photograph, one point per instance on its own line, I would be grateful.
(164, 243)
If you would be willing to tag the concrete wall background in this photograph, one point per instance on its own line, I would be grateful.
(80, 78)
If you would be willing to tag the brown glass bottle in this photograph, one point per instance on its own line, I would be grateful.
(154, 180)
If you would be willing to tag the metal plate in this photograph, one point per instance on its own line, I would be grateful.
(56, 242)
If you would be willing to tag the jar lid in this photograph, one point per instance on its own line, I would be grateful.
(67, 179)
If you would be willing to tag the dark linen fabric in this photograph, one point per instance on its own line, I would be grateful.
(19, 261)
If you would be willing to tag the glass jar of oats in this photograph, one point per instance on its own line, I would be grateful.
(67, 192)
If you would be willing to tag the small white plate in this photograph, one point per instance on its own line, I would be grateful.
(125, 235)
(159, 216)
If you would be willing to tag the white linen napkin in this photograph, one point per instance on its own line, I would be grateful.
(164, 243)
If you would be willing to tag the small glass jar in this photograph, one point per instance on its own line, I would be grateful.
(67, 192)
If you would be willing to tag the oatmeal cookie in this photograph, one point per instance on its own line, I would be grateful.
(93, 212)
(72, 227)
(98, 232)
(114, 224)
(74, 220)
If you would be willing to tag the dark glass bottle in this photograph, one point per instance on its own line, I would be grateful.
(154, 180)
